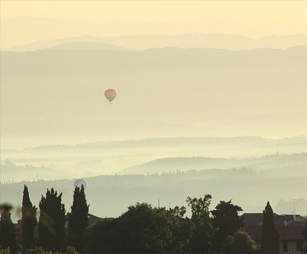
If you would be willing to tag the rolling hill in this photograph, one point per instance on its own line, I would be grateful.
(281, 164)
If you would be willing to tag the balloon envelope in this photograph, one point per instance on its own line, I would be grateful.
(79, 183)
(110, 94)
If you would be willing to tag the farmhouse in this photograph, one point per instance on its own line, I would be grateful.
(289, 227)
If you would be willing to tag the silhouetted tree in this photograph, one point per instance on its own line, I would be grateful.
(179, 212)
(78, 218)
(270, 235)
(201, 224)
(142, 229)
(226, 221)
(29, 221)
(182, 231)
(7, 231)
(51, 221)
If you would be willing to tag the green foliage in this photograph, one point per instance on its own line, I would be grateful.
(270, 235)
(98, 238)
(69, 250)
(78, 218)
(7, 232)
(199, 207)
(35, 251)
(229, 246)
(146, 229)
(183, 228)
(29, 221)
(201, 229)
(244, 242)
(5, 251)
(142, 229)
(226, 221)
(304, 248)
(76, 241)
(51, 222)
(179, 211)
(241, 242)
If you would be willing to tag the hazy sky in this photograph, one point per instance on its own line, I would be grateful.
(47, 20)
(250, 18)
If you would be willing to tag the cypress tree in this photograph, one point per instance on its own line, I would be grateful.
(29, 221)
(51, 221)
(270, 235)
(78, 218)
(7, 232)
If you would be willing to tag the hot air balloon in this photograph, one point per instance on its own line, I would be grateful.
(110, 94)
(79, 182)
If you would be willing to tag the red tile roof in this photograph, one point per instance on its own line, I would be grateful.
(289, 226)
(253, 218)
(290, 233)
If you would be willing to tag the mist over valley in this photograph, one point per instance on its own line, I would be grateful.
(224, 167)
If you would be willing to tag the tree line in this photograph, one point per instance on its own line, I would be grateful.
(141, 229)
(47, 233)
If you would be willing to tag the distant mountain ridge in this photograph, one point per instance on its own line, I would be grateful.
(80, 42)
(194, 40)
(172, 141)
(177, 141)
(277, 162)
(35, 29)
